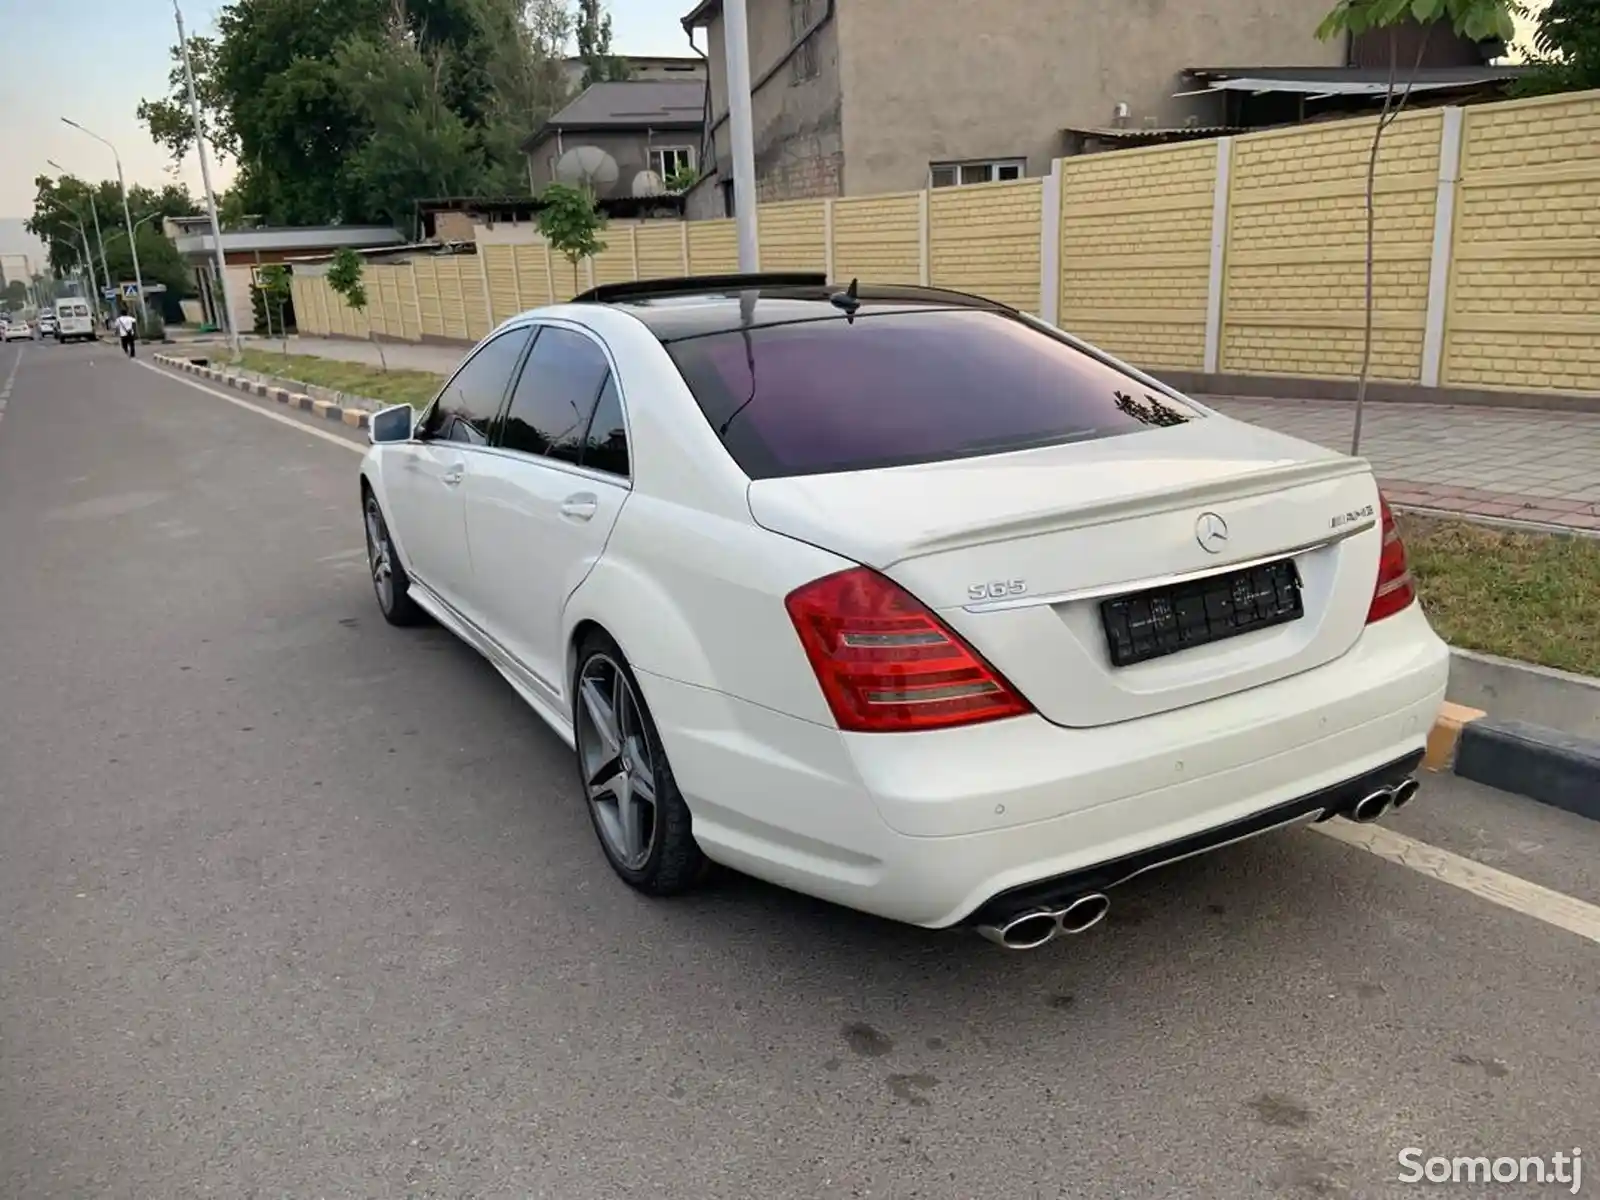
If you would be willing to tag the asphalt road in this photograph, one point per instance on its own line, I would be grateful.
(294, 904)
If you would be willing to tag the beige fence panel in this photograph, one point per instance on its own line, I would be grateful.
(878, 239)
(1524, 306)
(985, 239)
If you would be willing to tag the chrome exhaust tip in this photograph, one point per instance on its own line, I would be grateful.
(1370, 808)
(1030, 930)
(1404, 793)
(1027, 932)
(1084, 913)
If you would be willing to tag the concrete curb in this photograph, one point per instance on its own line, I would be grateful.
(1557, 766)
(353, 411)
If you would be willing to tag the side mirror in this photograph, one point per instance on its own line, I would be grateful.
(392, 424)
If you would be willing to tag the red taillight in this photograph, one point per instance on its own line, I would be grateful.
(887, 664)
(1395, 590)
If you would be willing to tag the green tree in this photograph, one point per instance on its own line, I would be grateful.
(16, 293)
(270, 295)
(347, 277)
(594, 45)
(1479, 20)
(62, 205)
(295, 91)
(571, 224)
(1566, 48)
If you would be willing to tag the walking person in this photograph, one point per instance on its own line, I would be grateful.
(127, 332)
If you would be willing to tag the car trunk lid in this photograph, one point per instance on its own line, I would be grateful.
(1078, 570)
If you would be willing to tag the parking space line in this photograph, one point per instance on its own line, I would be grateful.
(1497, 887)
(1485, 882)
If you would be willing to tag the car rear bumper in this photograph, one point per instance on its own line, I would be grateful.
(930, 828)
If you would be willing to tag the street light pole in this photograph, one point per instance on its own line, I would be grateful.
(211, 196)
(94, 213)
(127, 216)
(741, 132)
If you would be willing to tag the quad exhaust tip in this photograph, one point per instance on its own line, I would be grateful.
(1030, 930)
(1370, 808)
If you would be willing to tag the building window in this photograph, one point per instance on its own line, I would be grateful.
(803, 65)
(994, 171)
(668, 161)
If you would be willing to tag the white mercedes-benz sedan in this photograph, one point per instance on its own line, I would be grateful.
(902, 598)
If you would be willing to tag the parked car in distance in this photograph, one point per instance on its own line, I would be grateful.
(902, 598)
(74, 320)
(15, 328)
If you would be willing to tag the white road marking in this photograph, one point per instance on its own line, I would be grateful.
(11, 378)
(1487, 883)
(1497, 887)
(302, 426)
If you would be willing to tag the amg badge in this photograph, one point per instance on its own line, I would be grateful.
(1351, 518)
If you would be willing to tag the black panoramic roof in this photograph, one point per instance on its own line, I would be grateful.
(675, 309)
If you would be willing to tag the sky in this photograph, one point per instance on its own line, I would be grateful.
(96, 66)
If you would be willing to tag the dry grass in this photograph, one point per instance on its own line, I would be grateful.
(415, 388)
(1529, 596)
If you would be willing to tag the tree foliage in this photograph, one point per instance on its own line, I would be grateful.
(1566, 48)
(571, 223)
(61, 206)
(347, 277)
(1479, 20)
(594, 45)
(350, 112)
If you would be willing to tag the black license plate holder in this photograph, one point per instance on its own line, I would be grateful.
(1153, 623)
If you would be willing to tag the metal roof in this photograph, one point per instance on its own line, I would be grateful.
(643, 103)
(1345, 81)
(290, 238)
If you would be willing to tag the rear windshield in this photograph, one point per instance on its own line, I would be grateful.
(907, 387)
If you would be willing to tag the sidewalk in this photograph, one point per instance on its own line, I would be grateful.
(1511, 464)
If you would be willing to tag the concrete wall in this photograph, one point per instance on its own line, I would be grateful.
(630, 149)
(799, 136)
(1242, 257)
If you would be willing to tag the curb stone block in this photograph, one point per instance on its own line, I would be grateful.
(1558, 769)
(280, 395)
(1446, 735)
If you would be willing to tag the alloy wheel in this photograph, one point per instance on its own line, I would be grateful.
(614, 753)
(380, 556)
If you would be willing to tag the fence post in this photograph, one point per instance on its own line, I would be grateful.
(1050, 246)
(925, 248)
(683, 235)
(1217, 284)
(827, 238)
(488, 295)
(1444, 227)
(550, 273)
(633, 249)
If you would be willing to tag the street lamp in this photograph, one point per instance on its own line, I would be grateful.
(94, 212)
(211, 196)
(88, 254)
(127, 217)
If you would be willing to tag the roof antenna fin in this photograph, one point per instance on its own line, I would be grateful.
(848, 300)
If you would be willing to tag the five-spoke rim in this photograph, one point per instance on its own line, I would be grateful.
(378, 556)
(615, 757)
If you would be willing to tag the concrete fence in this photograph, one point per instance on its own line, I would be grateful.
(1238, 257)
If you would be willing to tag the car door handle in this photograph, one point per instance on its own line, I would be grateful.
(580, 507)
(453, 474)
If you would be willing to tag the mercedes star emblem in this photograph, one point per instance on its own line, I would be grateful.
(1211, 531)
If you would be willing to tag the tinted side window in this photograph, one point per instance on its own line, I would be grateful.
(471, 400)
(906, 387)
(606, 447)
(555, 395)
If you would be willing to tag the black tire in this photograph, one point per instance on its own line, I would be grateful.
(674, 862)
(394, 601)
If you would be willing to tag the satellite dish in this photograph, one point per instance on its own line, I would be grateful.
(588, 167)
(648, 183)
